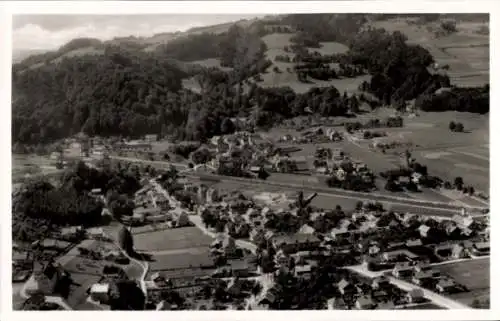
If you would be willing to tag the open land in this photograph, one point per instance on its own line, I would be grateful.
(475, 275)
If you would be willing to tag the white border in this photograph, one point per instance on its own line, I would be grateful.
(7, 9)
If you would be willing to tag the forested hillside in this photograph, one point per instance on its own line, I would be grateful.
(125, 90)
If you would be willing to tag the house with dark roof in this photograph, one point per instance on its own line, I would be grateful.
(402, 270)
(445, 285)
(380, 283)
(415, 296)
(422, 278)
(291, 243)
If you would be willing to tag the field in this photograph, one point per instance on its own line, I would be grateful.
(209, 63)
(30, 164)
(466, 52)
(475, 275)
(172, 239)
(176, 263)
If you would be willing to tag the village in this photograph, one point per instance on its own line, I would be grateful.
(220, 248)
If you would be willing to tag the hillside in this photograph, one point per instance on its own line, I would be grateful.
(187, 85)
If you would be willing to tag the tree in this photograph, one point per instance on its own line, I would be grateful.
(201, 156)
(459, 182)
(459, 128)
(126, 240)
(227, 126)
(452, 126)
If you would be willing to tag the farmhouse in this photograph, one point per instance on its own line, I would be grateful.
(99, 292)
(415, 296)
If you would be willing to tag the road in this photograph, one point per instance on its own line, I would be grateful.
(406, 286)
(415, 206)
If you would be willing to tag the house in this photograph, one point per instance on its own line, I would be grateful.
(402, 270)
(96, 233)
(45, 278)
(229, 246)
(257, 235)
(303, 271)
(240, 268)
(422, 278)
(337, 304)
(398, 255)
(182, 220)
(373, 249)
(414, 242)
(445, 285)
(380, 295)
(424, 230)
(380, 283)
(340, 233)
(291, 243)
(346, 288)
(415, 296)
(306, 229)
(463, 220)
(70, 232)
(159, 280)
(51, 244)
(99, 292)
(457, 251)
(480, 248)
(364, 303)
(151, 138)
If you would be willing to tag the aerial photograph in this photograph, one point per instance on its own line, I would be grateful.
(327, 161)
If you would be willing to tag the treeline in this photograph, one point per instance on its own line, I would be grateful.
(276, 104)
(41, 204)
(473, 100)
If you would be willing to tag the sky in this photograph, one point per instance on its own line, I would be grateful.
(49, 32)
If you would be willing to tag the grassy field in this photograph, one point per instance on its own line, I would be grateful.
(475, 275)
(179, 238)
(331, 47)
(181, 261)
(209, 63)
(466, 52)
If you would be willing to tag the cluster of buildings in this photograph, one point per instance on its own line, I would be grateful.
(316, 135)
(155, 207)
(369, 294)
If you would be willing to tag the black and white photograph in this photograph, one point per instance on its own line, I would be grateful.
(276, 161)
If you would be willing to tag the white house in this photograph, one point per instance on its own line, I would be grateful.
(99, 292)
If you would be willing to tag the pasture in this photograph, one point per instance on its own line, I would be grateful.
(181, 261)
(171, 239)
(474, 274)
(466, 52)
